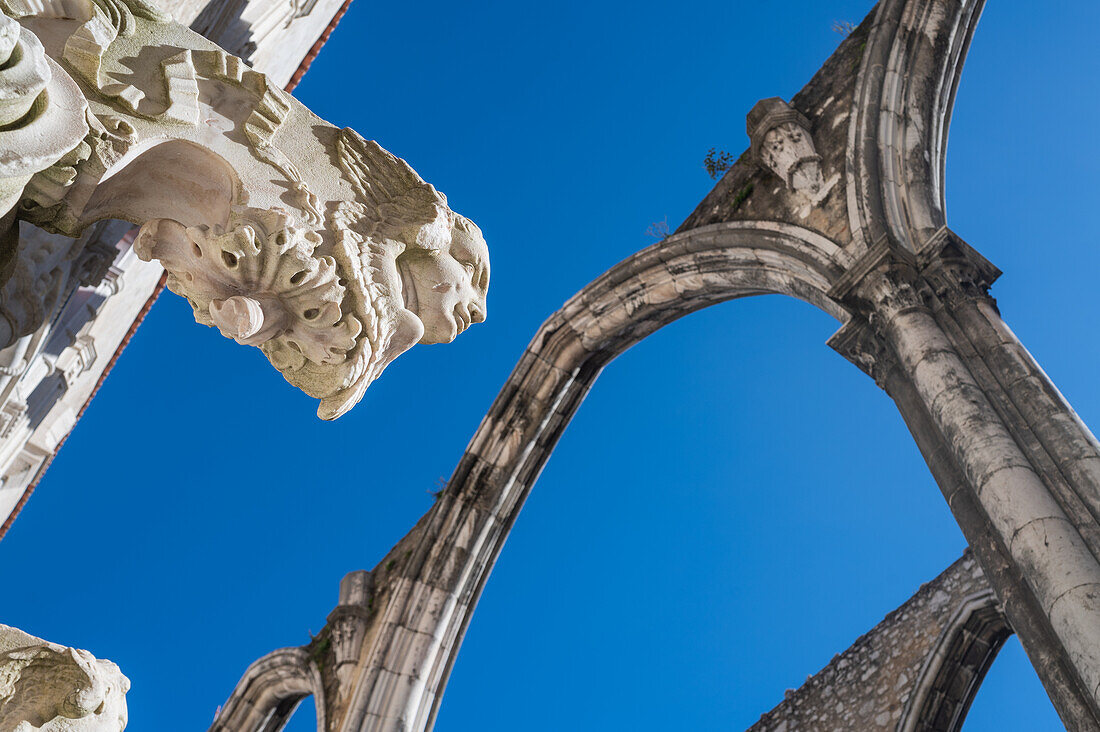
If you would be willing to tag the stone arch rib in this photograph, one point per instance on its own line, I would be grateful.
(430, 583)
(954, 671)
(901, 113)
(269, 692)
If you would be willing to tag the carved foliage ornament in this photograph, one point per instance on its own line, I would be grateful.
(317, 246)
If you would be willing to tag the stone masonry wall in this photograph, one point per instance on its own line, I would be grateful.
(868, 687)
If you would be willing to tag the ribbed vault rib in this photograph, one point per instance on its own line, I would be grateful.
(902, 106)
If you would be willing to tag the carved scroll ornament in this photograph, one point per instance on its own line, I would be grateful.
(284, 232)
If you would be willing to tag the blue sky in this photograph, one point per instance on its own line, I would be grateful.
(734, 502)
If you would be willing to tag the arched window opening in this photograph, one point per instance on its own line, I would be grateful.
(300, 716)
(958, 667)
(1011, 698)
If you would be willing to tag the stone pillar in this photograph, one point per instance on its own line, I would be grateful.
(981, 410)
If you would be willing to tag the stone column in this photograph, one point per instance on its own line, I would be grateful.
(1024, 510)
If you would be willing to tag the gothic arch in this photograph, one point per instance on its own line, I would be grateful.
(437, 572)
(1006, 450)
(901, 110)
(271, 689)
(955, 669)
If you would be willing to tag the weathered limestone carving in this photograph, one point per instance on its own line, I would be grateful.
(294, 297)
(321, 248)
(41, 111)
(347, 624)
(45, 687)
(782, 141)
(388, 646)
(858, 342)
(954, 270)
(101, 286)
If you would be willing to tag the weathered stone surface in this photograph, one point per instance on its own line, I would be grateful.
(1015, 465)
(86, 295)
(918, 669)
(45, 687)
(321, 248)
(751, 191)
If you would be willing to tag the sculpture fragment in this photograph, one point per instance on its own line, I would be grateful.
(45, 687)
(782, 141)
(284, 232)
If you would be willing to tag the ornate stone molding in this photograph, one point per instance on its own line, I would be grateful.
(42, 112)
(321, 248)
(881, 285)
(273, 686)
(45, 687)
(915, 671)
(954, 670)
(858, 342)
(954, 270)
(270, 691)
(897, 136)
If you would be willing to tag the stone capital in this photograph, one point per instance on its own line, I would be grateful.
(954, 270)
(858, 342)
(882, 284)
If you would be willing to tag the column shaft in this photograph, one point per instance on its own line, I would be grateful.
(1039, 537)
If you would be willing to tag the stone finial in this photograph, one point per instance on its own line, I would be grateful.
(782, 142)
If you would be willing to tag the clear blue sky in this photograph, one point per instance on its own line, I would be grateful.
(734, 503)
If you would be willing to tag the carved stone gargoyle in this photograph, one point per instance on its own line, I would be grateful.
(284, 232)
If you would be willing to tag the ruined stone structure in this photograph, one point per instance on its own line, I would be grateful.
(328, 253)
(838, 202)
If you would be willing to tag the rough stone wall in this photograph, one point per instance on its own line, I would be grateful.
(870, 685)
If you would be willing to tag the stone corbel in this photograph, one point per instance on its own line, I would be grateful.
(781, 141)
(881, 284)
(284, 232)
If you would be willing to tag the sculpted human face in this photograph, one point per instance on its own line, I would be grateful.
(447, 288)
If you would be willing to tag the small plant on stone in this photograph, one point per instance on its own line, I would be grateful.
(742, 195)
(717, 162)
(440, 486)
(843, 27)
(658, 230)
